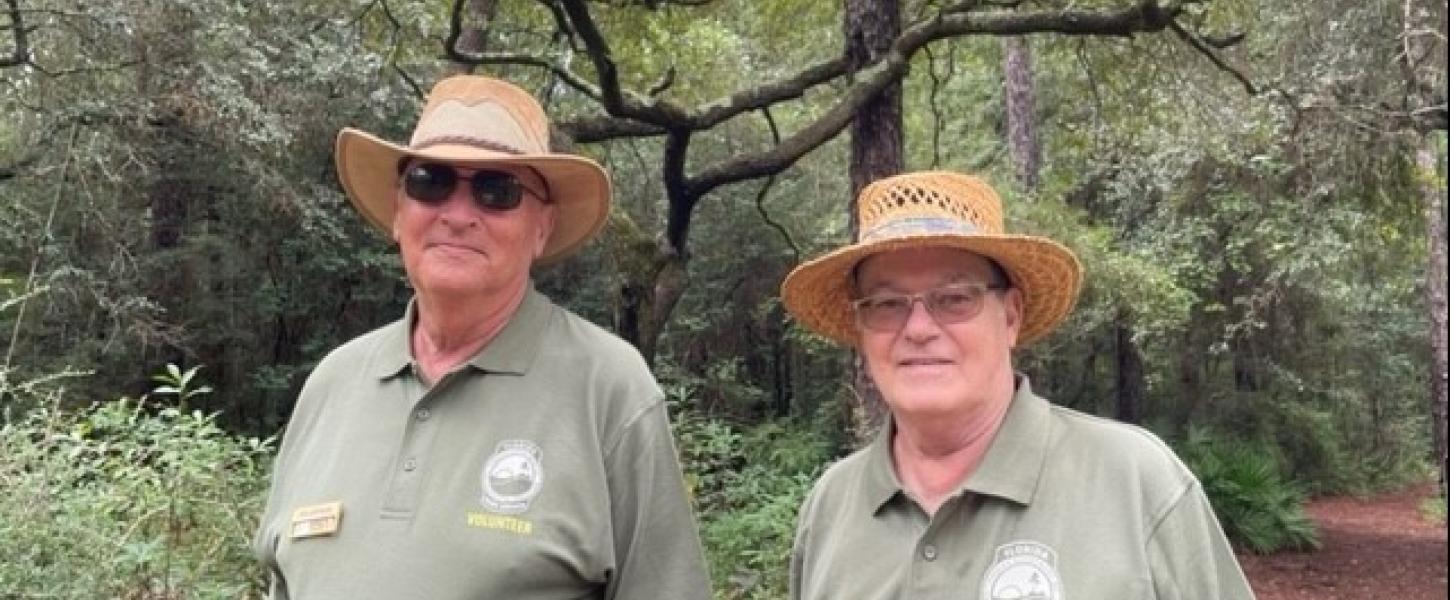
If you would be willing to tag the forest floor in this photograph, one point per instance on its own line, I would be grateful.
(1376, 548)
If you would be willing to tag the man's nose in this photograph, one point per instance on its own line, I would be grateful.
(457, 208)
(920, 325)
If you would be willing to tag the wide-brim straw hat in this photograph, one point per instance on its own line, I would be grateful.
(474, 122)
(935, 209)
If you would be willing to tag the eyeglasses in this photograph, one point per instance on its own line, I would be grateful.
(433, 183)
(955, 303)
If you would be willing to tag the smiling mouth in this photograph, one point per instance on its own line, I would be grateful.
(923, 362)
(453, 246)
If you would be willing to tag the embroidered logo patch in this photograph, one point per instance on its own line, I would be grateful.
(512, 477)
(1023, 570)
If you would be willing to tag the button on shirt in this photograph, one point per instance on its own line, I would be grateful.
(543, 468)
(1064, 505)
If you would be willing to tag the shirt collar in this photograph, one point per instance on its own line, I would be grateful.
(881, 483)
(512, 351)
(1014, 462)
(1010, 470)
(393, 352)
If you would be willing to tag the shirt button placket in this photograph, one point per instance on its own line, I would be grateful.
(929, 552)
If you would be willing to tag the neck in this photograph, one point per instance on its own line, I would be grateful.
(450, 330)
(934, 455)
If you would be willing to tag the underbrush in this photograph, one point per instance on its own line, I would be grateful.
(747, 485)
(1260, 509)
(128, 498)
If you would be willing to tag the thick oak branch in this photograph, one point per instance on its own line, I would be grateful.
(1143, 18)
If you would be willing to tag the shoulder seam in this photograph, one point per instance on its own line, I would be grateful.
(611, 445)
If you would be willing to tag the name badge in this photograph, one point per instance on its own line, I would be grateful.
(316, 520)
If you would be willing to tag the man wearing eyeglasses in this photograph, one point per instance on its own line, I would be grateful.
(489, 444)
(976, 488)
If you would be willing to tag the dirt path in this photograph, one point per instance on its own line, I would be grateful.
(1375, 549)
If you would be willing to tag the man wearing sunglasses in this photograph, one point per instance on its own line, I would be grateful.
(976, 487)
(489, 444)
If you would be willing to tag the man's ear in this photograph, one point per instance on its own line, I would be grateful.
(397, 206)
(1012, 307)
(546, 227)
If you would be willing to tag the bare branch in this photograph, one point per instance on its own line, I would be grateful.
(629, 114)
(1204, 49)
(681, 201)
(760, 196)
(1145, 17)
(767, 94)
(936, 116)
(396, 41)
(75, 70)
(654, 4)
(664, 83)
(411, 81)
(599, 54)
(21, 54)
(455, 31)
(600, 128)
(1227, 40)
(563, 28)
(570, 78)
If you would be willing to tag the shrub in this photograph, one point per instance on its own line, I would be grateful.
(747, 488)
(128, 499)
(1433, 509)
(1260, 511)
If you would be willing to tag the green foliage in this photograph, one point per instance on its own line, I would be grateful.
(1262, 253)
(177, 384)
(1433, 509)
(1259, 509)
(747, 485)
(127, 498)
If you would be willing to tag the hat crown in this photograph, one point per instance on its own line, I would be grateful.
(928, 203)
(482, 112)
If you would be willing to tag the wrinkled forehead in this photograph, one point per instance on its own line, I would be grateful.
(919, 268)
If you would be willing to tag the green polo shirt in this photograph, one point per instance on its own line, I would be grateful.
(1063, 506)
(543, 468)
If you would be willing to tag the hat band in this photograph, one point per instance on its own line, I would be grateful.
(908, 226)
(467, 140)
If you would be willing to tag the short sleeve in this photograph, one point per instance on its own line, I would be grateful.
(1189, 556)
(656, 543)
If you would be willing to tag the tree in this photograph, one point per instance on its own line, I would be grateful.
(1423, 64)
(628, 113)
(877, 148)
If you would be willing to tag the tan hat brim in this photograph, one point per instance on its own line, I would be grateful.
(819, 291)
(579, 187)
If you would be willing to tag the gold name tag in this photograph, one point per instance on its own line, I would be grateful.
(316, 520)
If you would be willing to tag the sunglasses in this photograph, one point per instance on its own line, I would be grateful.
(433, 183)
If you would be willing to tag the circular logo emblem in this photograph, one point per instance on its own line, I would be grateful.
(1023, 571)
(512, 477)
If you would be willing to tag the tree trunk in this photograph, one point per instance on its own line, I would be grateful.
(170, 146)
(877, 142)
(1129, 384)
(1432, 193)
(1424, 64)
(1021, 111)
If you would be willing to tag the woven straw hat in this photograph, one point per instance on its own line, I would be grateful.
(473, 122)
(943, 210)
